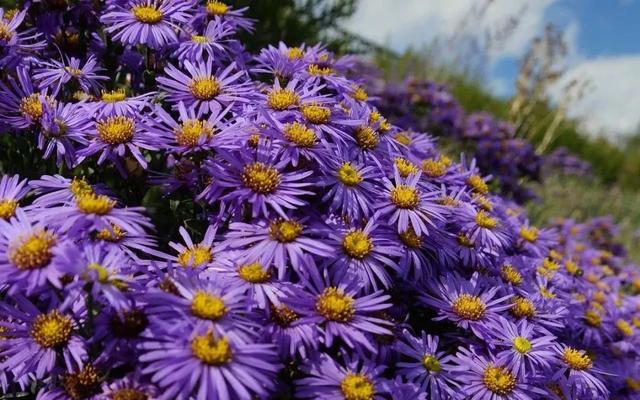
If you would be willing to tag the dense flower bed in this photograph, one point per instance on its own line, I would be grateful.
(342, 257)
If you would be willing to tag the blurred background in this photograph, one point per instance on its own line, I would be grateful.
(563, 73)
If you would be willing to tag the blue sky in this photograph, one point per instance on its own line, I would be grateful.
(602, 36)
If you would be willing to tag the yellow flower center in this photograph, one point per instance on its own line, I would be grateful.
(283, 315)
(92, 203)
(478, 184)
(592, 318)
(73, 71)
(411, 239)
(315, 114)
(260, 178)
(483, 202)
(405, 167)
(281, 99)
(335, 305)
(204, 88)
(113, 96)
(404, 196)
(189, 133)
(284, 231)
(359, 94)
(80, 186)
(216, 8)
(128, 394)
(34, 251)
(572, 268)
(8, 208)
(319, 70)
(522, 308)
(211, 351)
(434, 168)
(521, 344)
(195, 256)
(357, 244)
(199, 39)
(546, 293)
(52, 329)
(295, 53)
(31, 106)
(357, 387)
(116, 130)
(403, 138)
(113, 235)
(208, 306)
(632, 384)
(511, 275)
(254, 273)
(103, 274)
(81, 384)
(624, 327)
(576, 359)
(299, 134)
(499, 380)
(469, 307)
(529, 234)
(366, 137)
(431, 363)
(147, 14)
(483, 220)
(5, 31)
(253, 141)
(348, 175)
(463, 240)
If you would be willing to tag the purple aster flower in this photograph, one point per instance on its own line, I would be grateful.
(12, 190)
(201, 301)
(281, 242)
(106, 269)
(62, 126)
(22, 105)
(195, 255)
(365, 253)
(113, 135)
(36, 342)
(116, 102)
(260, 181)
(280, 100)
(576, 374)
(130, 387)
(425, 366)
(55, 74)
(282, 62)
(466, 302)
(484, 228)
(350, 184)
(204, 365)
(193, 131)
(149, 22)
(485, 378)
(409, 205)
(31, 255)
(214, 9)
(289, 333)
(91, 212)
(528, 349)
(329, 380)
(16, 46)
(203, 88)
(339, 308)
(210, 43)
(257, 281)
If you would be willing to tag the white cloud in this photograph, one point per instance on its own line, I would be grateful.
(611, 105)
(401, 24)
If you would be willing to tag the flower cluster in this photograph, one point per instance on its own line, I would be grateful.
(342, 257)
(430, 107)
